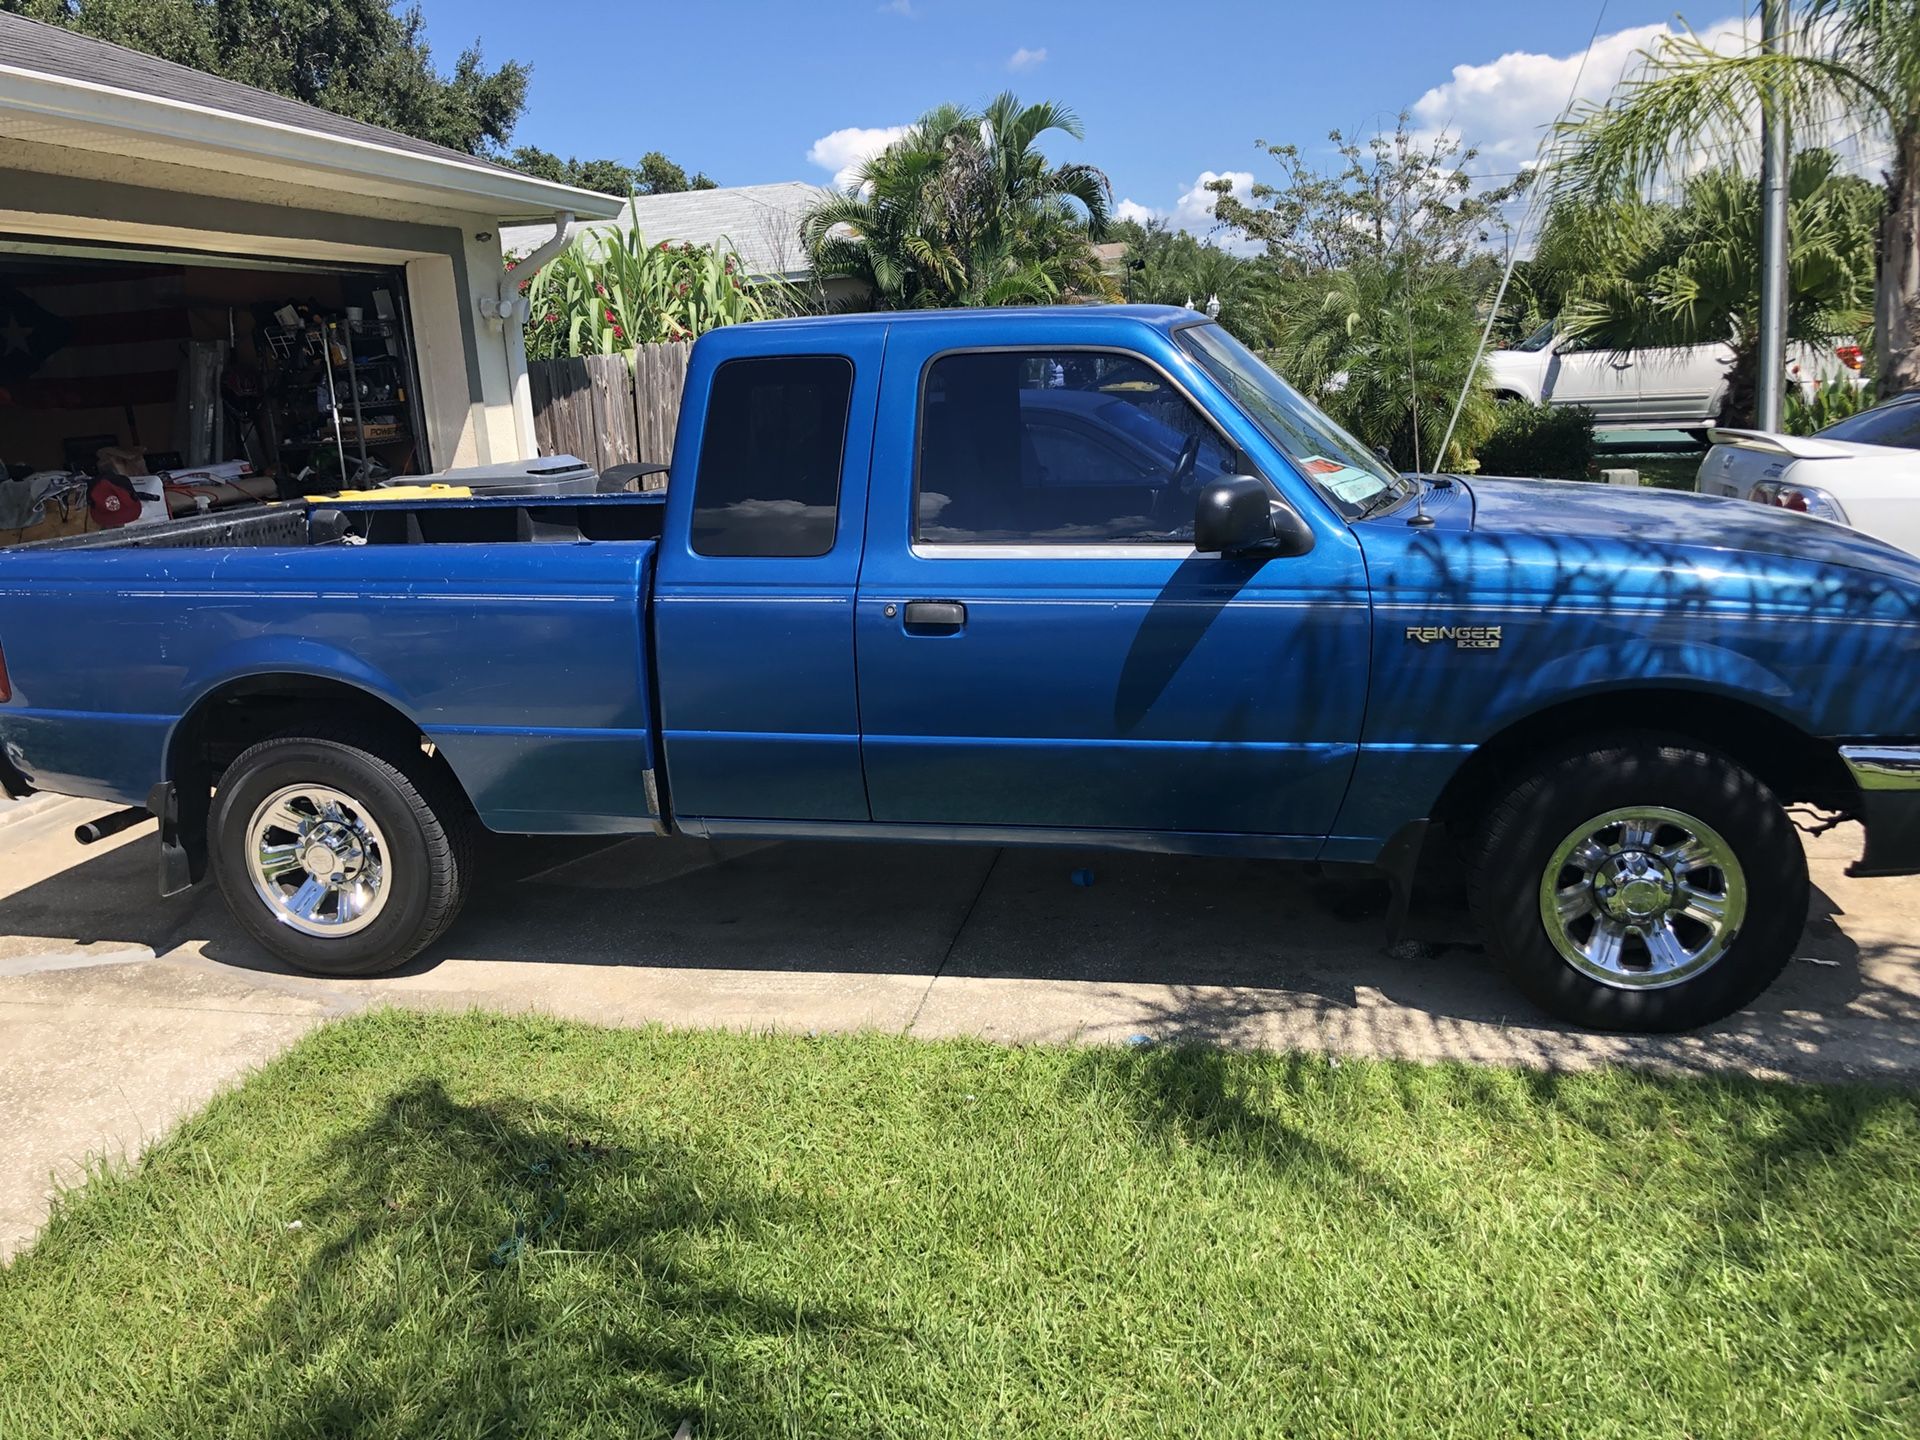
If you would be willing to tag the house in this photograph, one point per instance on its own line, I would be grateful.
(760, 223)
(197, 271)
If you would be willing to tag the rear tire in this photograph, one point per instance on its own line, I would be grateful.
(1640, 882)
(343, 854)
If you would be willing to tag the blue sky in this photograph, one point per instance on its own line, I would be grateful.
(1168, 90)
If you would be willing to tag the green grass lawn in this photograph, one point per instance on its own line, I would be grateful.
(880, 1237)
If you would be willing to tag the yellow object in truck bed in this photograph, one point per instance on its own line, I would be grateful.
(399, 492)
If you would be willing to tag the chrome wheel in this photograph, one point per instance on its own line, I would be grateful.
(318, 860)
(1643, 897)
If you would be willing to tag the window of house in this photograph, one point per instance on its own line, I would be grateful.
(770, 458)
(1063, 447)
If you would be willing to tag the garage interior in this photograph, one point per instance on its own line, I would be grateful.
(139, 385)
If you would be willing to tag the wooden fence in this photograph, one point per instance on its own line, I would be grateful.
(606, 409)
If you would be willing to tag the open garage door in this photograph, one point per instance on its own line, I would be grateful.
(136, 384)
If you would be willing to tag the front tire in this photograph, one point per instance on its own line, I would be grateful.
(1640, 883)
(342, 856)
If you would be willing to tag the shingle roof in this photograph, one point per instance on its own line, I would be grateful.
(761, 222)
(51, 50)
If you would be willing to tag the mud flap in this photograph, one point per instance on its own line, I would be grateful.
(1399, 860)
(183, 845)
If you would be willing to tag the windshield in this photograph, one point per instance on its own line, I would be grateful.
(1539, 339)
(1349, 474)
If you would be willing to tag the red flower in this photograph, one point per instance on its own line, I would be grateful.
(611, 319)
(683, 287)
(598, 288)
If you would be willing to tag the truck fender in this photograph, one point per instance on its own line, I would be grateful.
(1629, 662)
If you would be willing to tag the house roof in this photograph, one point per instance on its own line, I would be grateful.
(53, 74)
(760, 222)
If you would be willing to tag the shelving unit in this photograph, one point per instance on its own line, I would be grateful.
(334, 393)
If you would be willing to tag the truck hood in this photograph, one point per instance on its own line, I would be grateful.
(1577, 509)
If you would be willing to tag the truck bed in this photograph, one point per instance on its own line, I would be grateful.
(509, 630)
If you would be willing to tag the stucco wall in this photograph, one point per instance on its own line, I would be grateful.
(49, 191)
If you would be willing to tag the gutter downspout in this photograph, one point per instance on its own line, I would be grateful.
(509, 311)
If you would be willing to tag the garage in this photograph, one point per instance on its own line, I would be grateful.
(212, 296)
(200, 382)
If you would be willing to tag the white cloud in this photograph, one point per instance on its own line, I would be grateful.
(1503, 107)
(845, 151)
(1193, 210)
(899, 7)
(1025, 59)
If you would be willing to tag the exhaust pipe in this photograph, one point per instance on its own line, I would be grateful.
(96, 830)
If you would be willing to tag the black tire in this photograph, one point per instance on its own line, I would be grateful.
(425, 823)
(1569, 788)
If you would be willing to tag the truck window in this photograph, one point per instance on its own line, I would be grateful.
(1065, 447)
(770, 456)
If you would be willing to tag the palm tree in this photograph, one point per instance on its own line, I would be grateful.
(964, 210)
(1165, 266)
(1687, 274)
(1859, 59)
(1385, 345)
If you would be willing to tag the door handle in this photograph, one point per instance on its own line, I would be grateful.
(935, 615)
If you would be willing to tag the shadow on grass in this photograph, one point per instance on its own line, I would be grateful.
(497, 1269)
(1201, 1096)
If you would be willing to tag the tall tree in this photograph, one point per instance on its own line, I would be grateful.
(1688, 273)
(654, 175)
(359, 58)
(1397, 193)
(1381, 266)
(1858, 59)
(964, 209)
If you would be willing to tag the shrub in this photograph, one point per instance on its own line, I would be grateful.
(1830, 403)
(1545, 442)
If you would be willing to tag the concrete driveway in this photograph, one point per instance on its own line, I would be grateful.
(119, 1012)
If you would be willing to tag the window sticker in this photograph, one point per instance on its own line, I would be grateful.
(1349, 483)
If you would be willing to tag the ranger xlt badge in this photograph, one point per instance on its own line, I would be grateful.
(1464, 637)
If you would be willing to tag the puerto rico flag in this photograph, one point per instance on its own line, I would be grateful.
(91, 338)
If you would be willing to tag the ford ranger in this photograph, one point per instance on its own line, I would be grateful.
(1088, 576)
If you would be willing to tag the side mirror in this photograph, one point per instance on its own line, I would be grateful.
(1239, 516)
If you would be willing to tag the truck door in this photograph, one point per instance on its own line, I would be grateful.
(1607, 382)
(753, 606)
(1039, 645)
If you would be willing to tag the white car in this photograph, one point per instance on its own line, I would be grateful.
(1680, 387)
(1862, 471)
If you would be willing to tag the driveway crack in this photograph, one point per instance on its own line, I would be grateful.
(954, 943)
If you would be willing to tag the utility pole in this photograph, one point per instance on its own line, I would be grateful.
(1772, 379)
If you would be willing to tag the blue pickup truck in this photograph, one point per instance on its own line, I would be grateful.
(1089, 576)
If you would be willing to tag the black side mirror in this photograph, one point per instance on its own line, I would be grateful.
(1238, 516)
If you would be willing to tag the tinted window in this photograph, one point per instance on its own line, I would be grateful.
(1065, 447)
(769, 478)
(1895, 423)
